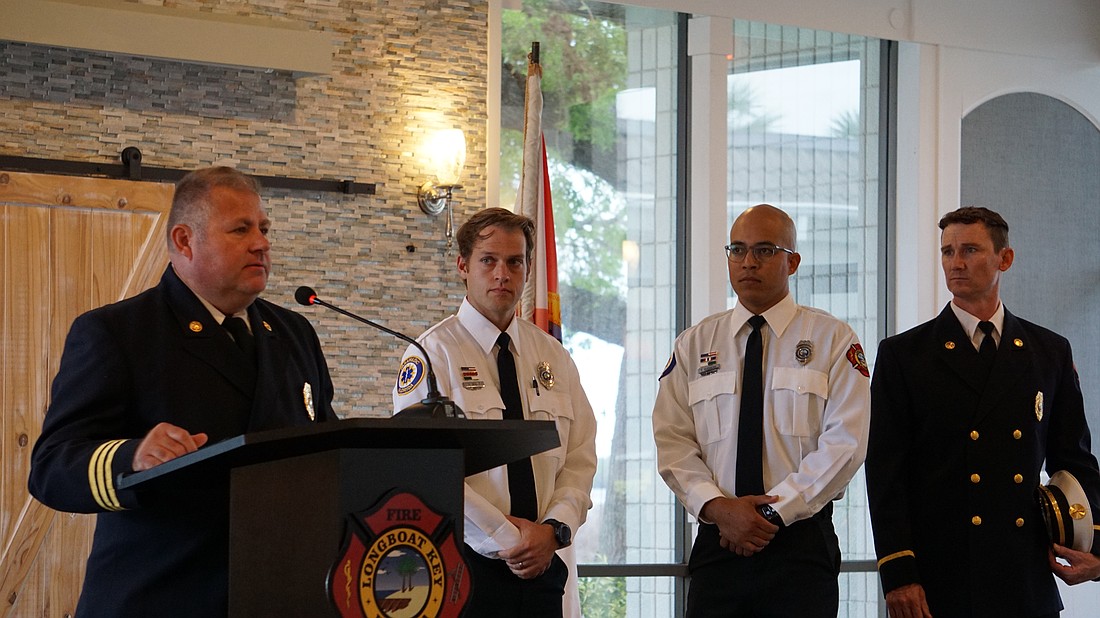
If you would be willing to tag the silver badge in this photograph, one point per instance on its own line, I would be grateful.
(307, 395)
(545, 375)
(804, 351)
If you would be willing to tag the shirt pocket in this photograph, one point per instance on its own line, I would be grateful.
(481, 404)
(798, 398)
(713, 401)
(554, 406)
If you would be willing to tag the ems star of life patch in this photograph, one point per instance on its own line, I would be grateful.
(412, 372)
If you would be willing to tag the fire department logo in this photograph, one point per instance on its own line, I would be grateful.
(399, 559)
(858, 360)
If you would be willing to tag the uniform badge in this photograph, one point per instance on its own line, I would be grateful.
(307, 395)
(470, 379)
(708, 363)
(1039, 406)
(804, 351)
(1019, 343)
(950, 345)
(858, 360)
(267, 326)
(545, 375)
(195, 326)
(412, 372)
(399, 559)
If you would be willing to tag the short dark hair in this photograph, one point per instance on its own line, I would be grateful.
(190, 205)
(993, 222)
(471, 231)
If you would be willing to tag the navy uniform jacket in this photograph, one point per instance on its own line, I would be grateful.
(954, 461)
(161, 357)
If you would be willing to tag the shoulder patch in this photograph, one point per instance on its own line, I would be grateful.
(410, 375)
(669, 366)
(858, 360)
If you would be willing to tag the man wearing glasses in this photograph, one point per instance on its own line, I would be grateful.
(760, 422)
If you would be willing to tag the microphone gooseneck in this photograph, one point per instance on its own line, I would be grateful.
(435, 405)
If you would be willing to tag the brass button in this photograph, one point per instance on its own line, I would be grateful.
(1020, 522)
(1019, 478)
(974, 435)
(1017, 434)
(975, 478)
(977, 521)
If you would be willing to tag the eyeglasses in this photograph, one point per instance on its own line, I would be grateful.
(737, 252)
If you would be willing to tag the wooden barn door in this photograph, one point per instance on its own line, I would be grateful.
(67, 245)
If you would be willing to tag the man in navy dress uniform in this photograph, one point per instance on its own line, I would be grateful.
(965, 411)
(197, 359)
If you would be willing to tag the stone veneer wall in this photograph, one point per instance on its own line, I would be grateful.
(400, 68)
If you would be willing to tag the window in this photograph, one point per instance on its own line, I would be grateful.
(610, 119)
(804, 132)
(614, 105)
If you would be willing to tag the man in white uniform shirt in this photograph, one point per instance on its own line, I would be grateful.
(513, 556)
(761, 477)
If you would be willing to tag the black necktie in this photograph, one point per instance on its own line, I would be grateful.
(239, 330)
(750, 432)
(988, 349)
(521, 479)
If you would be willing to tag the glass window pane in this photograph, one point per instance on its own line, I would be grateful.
(637, 597)
(609, 119)
(803, 136)
(860, 596)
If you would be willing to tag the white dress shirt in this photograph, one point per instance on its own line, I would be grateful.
(816, 413)
(970, 322)
(463, 354)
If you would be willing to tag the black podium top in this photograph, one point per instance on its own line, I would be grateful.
(487, 444)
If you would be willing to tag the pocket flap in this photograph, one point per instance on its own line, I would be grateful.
(709, 387)
(801, 380)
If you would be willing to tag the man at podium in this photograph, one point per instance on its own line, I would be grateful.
(496, 366)
(197, 359)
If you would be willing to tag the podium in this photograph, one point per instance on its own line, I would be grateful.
(296, 494)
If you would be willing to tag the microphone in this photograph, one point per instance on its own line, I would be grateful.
(434, 405)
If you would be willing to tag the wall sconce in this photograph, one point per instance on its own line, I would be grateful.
(446, 154)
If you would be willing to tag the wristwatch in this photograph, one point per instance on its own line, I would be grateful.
(770, 514)
(562, 534)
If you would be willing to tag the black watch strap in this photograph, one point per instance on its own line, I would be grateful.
(562, 533)
(770, 514)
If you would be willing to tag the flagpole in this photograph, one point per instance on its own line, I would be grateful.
(540, 301)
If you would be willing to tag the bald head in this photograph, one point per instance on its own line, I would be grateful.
(774, 218)
(759, 278)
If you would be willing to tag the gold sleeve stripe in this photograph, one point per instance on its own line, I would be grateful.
(99, 475)
(895, 556)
